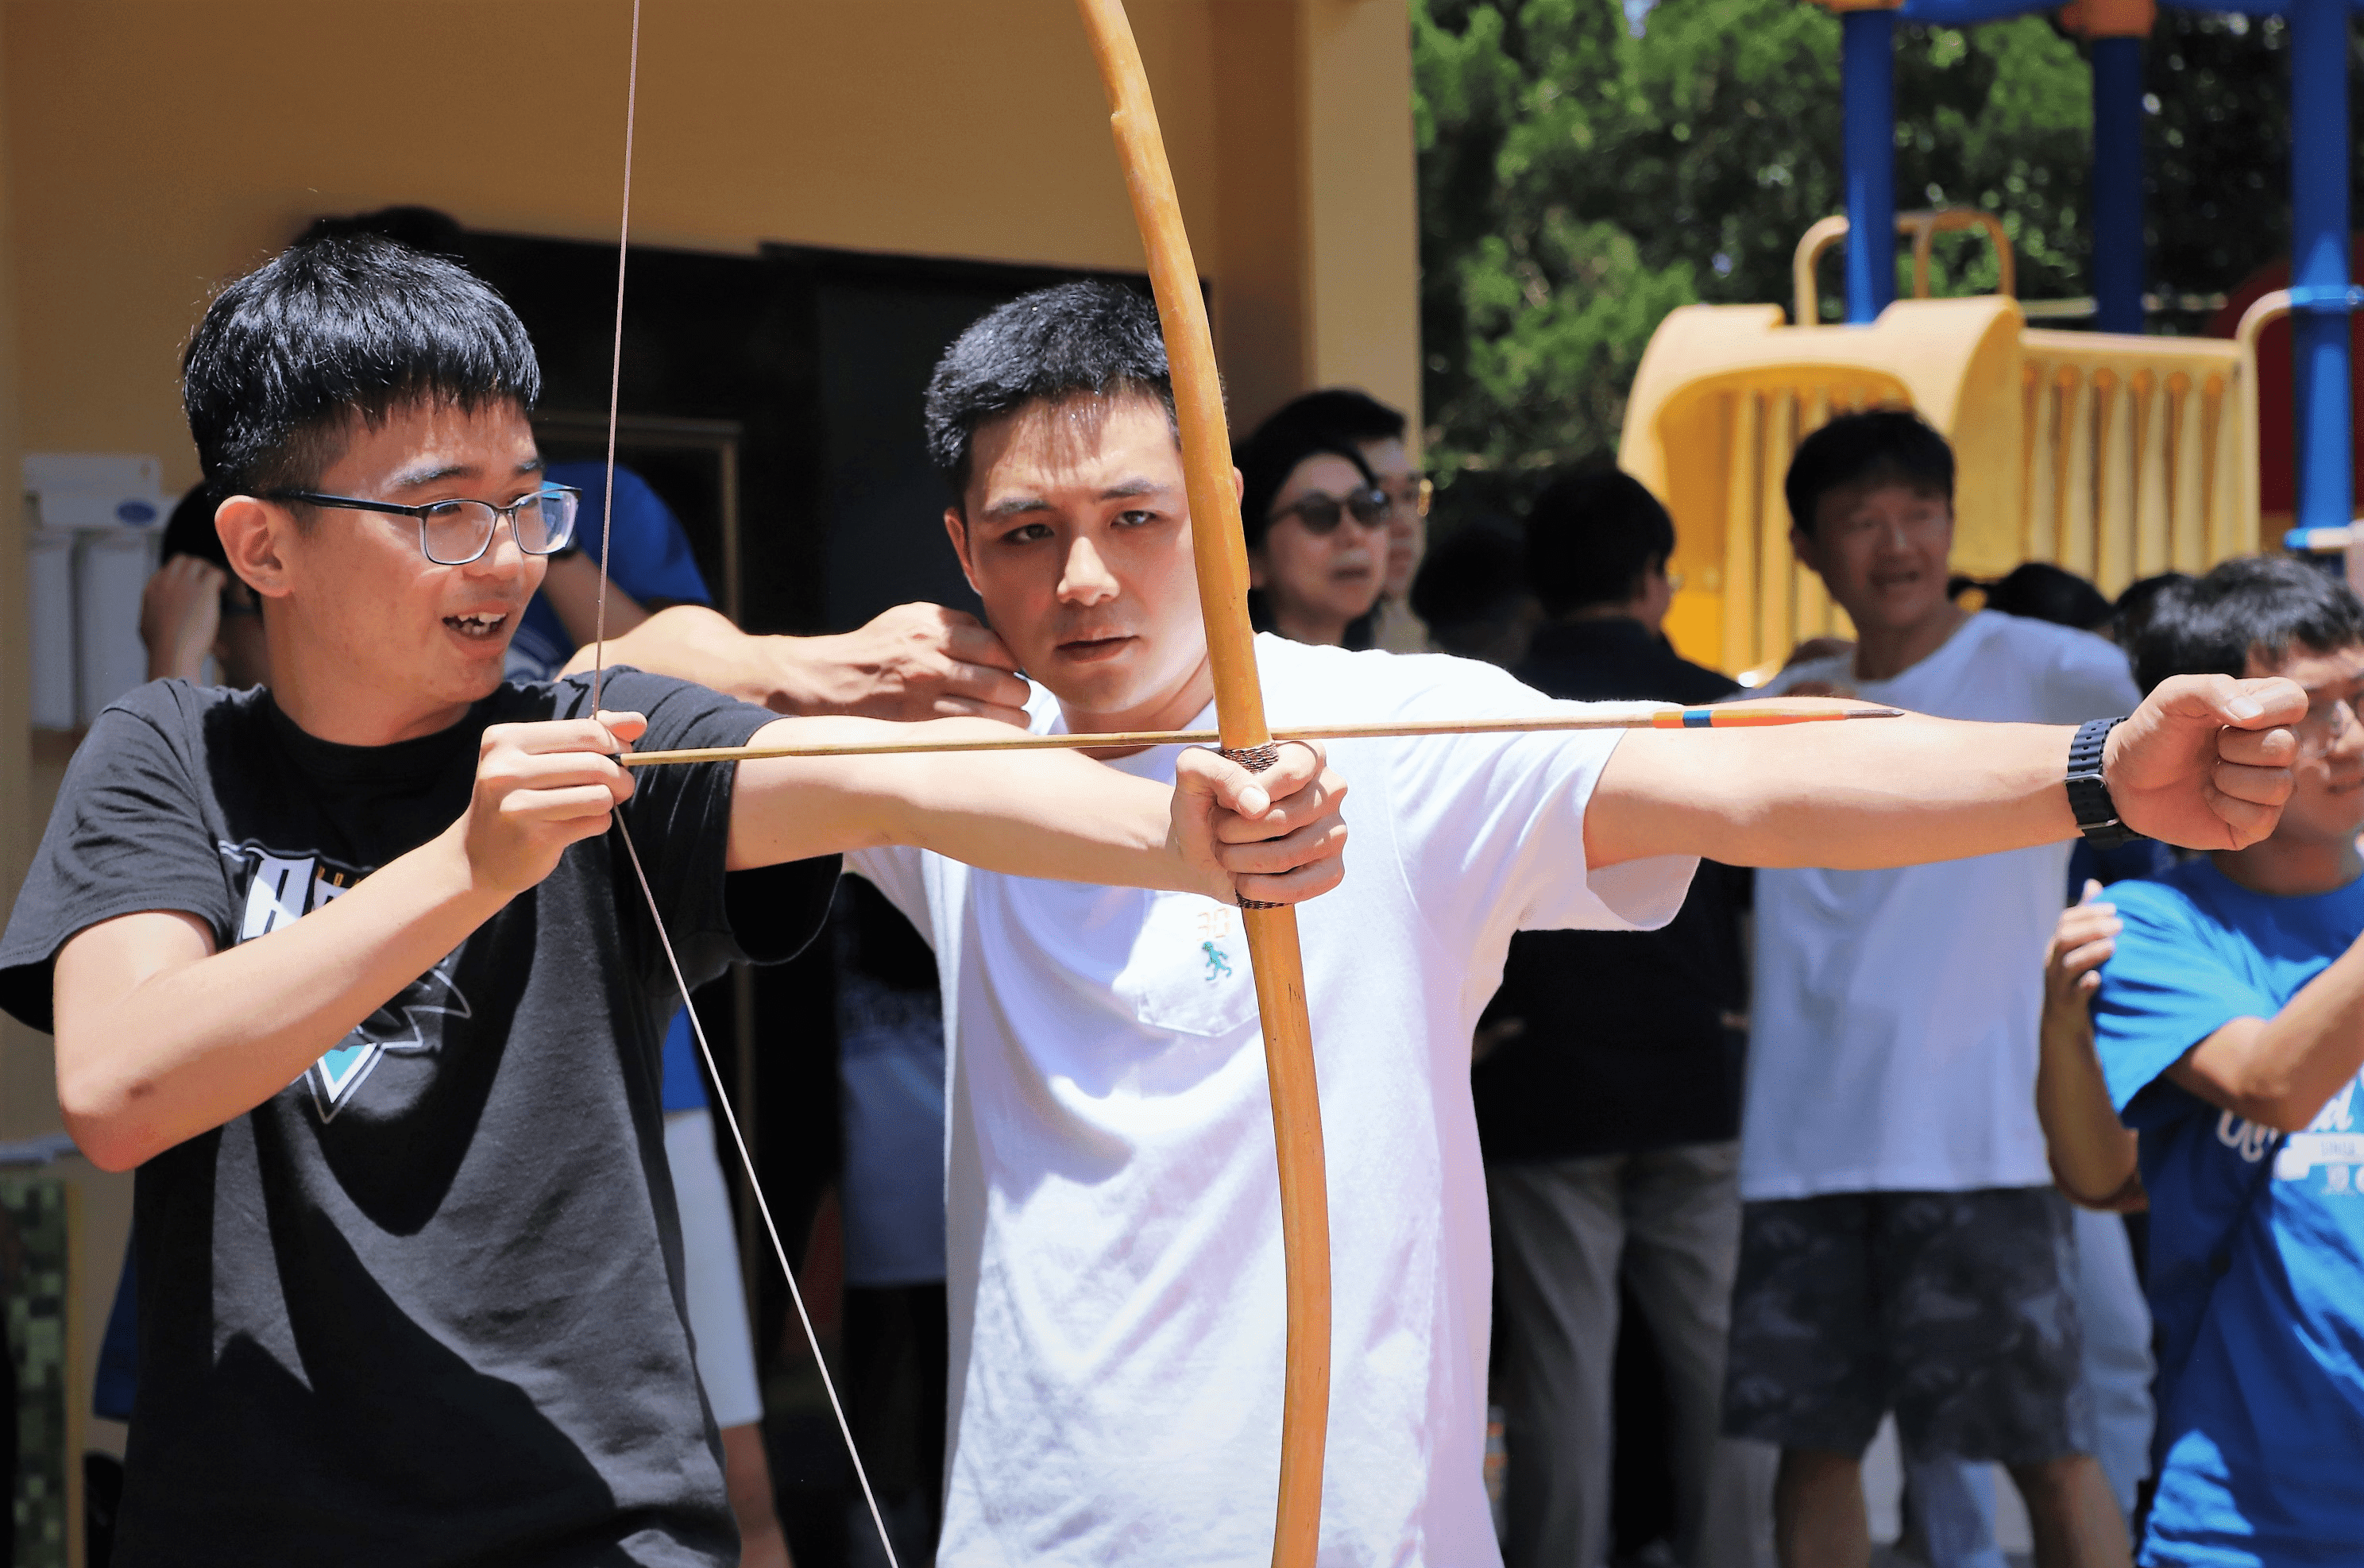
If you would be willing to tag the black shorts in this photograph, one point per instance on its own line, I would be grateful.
(1952, 1309)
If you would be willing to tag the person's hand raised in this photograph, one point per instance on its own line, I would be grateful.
(2205, 761)
(913, 662)
(180, 617)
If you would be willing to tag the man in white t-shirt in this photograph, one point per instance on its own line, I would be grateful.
(1903, 1247)
(1115, 1272)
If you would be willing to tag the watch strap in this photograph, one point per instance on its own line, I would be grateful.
(2089, 793)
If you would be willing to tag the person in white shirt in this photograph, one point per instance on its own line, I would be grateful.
(1115, 1265)
(1902, 1248)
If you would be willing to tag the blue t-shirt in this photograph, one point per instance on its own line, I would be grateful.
(2256, 1243)
(684, 1084)
(651, 561)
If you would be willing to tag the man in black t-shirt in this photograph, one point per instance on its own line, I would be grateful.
(1609, 1110)
(354, 972)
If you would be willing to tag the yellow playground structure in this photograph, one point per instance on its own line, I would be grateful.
(2114, 455)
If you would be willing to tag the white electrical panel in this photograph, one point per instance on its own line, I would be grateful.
(95, 521)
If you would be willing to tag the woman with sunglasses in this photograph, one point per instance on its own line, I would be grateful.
(1316, 521)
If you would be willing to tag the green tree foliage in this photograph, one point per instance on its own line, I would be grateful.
(1578, 182)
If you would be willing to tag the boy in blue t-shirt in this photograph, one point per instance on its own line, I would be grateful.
(2230, 1028)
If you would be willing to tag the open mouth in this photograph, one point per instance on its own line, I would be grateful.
(482, 626)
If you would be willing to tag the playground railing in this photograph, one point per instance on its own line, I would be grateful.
(2114, 456)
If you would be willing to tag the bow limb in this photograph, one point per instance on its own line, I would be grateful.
(1222, 557)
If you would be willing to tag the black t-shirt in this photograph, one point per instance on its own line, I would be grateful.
(424, 1305)
(1626, 1045)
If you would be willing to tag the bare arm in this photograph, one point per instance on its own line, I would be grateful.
(571, 583)
(913, 662)
(1274, 836)
(2092, 1153)
(2279, 1072)
(2201, 764)
(161, 1038)
(180, 616)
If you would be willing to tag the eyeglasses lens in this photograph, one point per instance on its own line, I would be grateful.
(1322, 514)
(457, 532)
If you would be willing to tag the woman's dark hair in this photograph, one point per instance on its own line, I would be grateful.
(2256, 606)
(1337, 414)
(350, 325)
(1268, 457)
(1881, 443)
(1591, 536)
(2037, 590)
(1091, 338)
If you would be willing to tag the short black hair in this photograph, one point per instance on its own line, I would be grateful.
(2261, 606)
(345, 325)
(1879, 443)
(1269, 456)
(1591, 535)
(1339, 414)
(1469, 586)
(2132, 613)
(1090, 338)
(427, 229)
(2037, 590)
(190, 530)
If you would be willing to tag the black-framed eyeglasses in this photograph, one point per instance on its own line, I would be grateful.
(453, 533)
(1321, 514)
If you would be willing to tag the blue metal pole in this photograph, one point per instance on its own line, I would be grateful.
(1868, 94)
(2319, 260)
(2117, 184)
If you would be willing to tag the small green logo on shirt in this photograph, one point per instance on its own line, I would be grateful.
(1219, 965)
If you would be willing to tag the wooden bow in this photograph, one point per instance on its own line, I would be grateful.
(1221, 553)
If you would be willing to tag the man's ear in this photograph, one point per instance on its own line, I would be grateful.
(254, 536)
(957, 528)
(1802, 546)
(1256, 566)
(1239, 483)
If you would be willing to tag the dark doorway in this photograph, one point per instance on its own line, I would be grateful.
(774, 401)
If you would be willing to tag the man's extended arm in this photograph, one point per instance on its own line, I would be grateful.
(2091, 1152)
(161, 1038)
(2201, 763)
(910, 663)
(2279, 1072)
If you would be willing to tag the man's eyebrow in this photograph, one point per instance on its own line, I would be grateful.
(1015, 507)
(432, 473)
(1124, 490)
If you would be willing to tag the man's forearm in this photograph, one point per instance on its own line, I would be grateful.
(2280, 1071)
(2092, 1152)
(1042, 814)
(159, 1039)
(1853, 795)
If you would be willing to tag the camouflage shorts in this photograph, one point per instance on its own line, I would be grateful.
(1952, 1309)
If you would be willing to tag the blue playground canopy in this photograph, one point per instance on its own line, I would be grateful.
(2320, 294)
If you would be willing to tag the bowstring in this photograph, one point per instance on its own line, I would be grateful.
(632, 851)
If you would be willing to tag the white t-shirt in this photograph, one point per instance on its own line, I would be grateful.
(1116, 1269)
(1895, 1014)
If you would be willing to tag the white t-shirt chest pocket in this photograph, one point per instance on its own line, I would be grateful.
(1188, 972)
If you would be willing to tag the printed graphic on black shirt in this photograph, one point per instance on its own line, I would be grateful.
(280, 886)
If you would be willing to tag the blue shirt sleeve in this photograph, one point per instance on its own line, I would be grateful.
(684, 1084)
(651, 560)
(2175, 980)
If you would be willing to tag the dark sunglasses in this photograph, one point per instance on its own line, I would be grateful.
(1322, 514)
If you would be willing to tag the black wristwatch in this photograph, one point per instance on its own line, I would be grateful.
(2088, 794)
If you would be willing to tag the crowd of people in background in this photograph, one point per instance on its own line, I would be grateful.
(1958, 1145)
